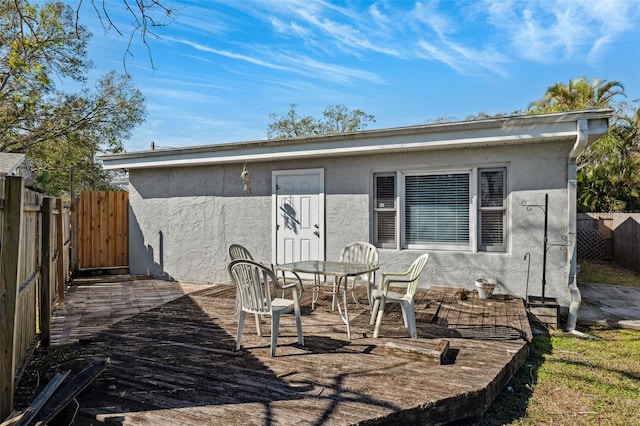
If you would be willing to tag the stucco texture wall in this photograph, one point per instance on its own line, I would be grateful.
(183, 219)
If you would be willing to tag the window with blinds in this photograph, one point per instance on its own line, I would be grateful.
(492, 209)
(437, 209)
(434, 210)
(385, 210)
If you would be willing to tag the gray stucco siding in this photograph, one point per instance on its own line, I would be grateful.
(188, 216)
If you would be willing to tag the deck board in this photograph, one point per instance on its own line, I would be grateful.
(175, 364)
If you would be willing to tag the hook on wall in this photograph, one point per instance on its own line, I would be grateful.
(246, 187)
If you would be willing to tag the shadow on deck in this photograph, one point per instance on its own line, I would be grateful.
(175, 364)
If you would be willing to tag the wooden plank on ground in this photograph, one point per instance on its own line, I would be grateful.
(32, 410)
(69, 390)
(14, 419)
(436, 355)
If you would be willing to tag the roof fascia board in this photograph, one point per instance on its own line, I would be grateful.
(491, 132)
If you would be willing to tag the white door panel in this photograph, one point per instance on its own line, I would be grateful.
(299, 215)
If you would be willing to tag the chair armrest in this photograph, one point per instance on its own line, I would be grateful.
(394, 277)
(288, 286)
(296, 284)
(385, 284)
(397, 281)
(395, 274)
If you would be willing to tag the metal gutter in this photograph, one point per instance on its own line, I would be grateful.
(489, 132)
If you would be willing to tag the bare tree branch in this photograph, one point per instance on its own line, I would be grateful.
(144, 17)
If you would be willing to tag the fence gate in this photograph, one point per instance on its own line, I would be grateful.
(102, 236)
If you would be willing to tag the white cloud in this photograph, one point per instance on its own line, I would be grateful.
(562, 29)
(428, 14)
(295, 63)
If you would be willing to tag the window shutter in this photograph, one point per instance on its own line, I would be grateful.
(385, 210)
(492, 208)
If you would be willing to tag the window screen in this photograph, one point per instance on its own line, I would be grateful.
(492, 208)
(437, 209)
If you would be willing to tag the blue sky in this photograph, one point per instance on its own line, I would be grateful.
(221, 68)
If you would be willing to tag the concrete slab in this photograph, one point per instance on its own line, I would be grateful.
(609, 305)
(630, 324)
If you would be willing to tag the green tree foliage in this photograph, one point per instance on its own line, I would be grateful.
(609, 170)
(578, 94)
(40, 45)
(335, 119)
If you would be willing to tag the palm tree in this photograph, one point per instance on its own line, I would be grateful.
(578, 94)
(609, 169)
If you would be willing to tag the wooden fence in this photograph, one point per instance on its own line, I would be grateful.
(34, 269)
(610, 236)
(102, 237)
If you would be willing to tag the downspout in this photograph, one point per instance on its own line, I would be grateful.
(572, 251)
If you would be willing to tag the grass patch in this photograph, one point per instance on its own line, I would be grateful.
(569, 380)
(602, 272)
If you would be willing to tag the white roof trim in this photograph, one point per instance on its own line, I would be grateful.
(490, 132)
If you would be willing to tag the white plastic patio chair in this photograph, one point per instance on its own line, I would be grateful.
(236, 251)
(253, 281)
(383, 295)
(361, 252)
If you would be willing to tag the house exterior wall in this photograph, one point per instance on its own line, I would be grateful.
(183, 219)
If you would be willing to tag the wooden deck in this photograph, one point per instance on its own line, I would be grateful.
(175, 364)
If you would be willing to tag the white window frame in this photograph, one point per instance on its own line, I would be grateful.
(474, 211)
(384, 208)
(503, 209)
(402, 209)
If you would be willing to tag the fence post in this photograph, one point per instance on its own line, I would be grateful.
(73, 253)
(45, 283)
(10, 258)
(60, 254)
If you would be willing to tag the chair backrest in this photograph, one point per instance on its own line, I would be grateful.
(252, 280)
(236, 251)
(414, 272)
(359, 252)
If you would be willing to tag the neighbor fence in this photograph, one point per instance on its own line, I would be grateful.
(610, 236)
(101, 238)
(34, 269)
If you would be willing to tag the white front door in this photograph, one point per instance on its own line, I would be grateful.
(298, 212)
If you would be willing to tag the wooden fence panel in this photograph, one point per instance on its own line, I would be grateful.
(9, 285)
(24, 301)
(29, 272)
(62, 254)
(626, 236)
(620, 232)
(103, 230)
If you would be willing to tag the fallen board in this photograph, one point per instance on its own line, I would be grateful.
(32, 410)
(69, 390)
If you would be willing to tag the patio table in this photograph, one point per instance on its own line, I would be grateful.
(341, 270)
